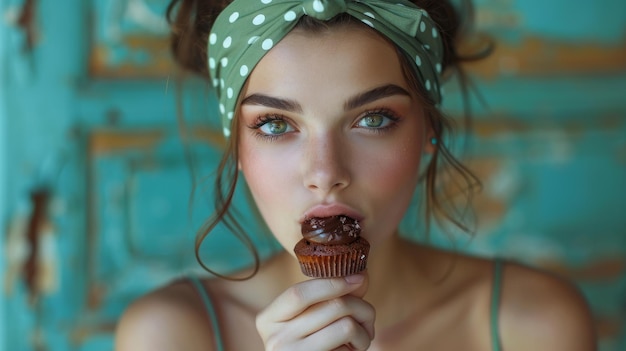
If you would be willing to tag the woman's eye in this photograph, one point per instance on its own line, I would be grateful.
(372, 121)
(275, 127)
(375, 121)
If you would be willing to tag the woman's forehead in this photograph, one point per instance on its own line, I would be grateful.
(341, 55)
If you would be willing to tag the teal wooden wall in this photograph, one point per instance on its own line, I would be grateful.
(87, 116)
(3, 189)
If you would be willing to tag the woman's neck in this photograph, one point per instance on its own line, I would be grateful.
(398, 270)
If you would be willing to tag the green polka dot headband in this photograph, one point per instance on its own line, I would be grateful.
(247, 29)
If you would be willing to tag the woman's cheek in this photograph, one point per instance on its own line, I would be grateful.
(271, 180)
(391, 184)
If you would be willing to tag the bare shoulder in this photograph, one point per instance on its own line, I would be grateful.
(541, 311)
(170, 318)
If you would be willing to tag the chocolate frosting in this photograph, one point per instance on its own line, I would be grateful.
(331, 230)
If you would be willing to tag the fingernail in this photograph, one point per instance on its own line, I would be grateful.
(354, 279)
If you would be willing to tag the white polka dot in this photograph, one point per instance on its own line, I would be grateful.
(418, 60)
(233, 17)
(227, 42)
(253, 39)
(438, 67)
(243, 71)
(368, 23)
(211, 63)
(423, 26)
(426, 47)
(226, 132)
(229, 93)
(224, 61)
(266, 1)
(215, 82)
(369, 14)
(222, 108)
(229, 115)
(435, 34)
(290, 16)
(222, 83)
(258, 19)
(213, 38)
(267, 44)
(318, 6)
(428, 85)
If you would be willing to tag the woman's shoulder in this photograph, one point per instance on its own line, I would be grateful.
(542, 311)
(537, 310)
(172, 317)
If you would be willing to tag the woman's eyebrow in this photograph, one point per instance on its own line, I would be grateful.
(352, 103)
(373, 95)
(273, 102)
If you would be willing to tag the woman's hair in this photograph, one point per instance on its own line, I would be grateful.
(191, 21)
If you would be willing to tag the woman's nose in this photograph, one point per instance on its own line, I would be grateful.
(325, 164)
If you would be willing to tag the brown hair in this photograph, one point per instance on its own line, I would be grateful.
(191, 21)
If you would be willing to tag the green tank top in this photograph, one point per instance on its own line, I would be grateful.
(208, 304)
(498, 265)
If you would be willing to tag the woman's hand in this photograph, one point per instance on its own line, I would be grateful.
(319, 315)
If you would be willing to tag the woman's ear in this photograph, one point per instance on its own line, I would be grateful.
(432, 125)
(431, 143)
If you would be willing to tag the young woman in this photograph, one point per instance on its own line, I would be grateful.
(329, 107)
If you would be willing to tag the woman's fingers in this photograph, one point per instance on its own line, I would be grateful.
(362, 289)
(300, 296)
(319, 315)
(342, 334)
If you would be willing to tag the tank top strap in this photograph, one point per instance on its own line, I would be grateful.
(496, 291)
(210, 308)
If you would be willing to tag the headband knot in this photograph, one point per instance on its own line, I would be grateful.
(323, 9)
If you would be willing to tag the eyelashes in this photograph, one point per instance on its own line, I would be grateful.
(378, 120)
(273, 126)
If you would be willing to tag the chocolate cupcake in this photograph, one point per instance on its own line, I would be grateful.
(331, 247)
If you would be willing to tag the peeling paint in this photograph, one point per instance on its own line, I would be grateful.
(535, 56)
(16, 252)
(110, 141)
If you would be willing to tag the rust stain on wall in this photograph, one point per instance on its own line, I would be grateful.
(147, 57)
(95, 296)
(83, 333)
(211, 136)
(541, 57)
(110, 141)
(503, 123)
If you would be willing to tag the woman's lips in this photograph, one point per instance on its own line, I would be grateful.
(328, 210)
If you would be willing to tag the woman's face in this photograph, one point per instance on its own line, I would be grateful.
(329, 126)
